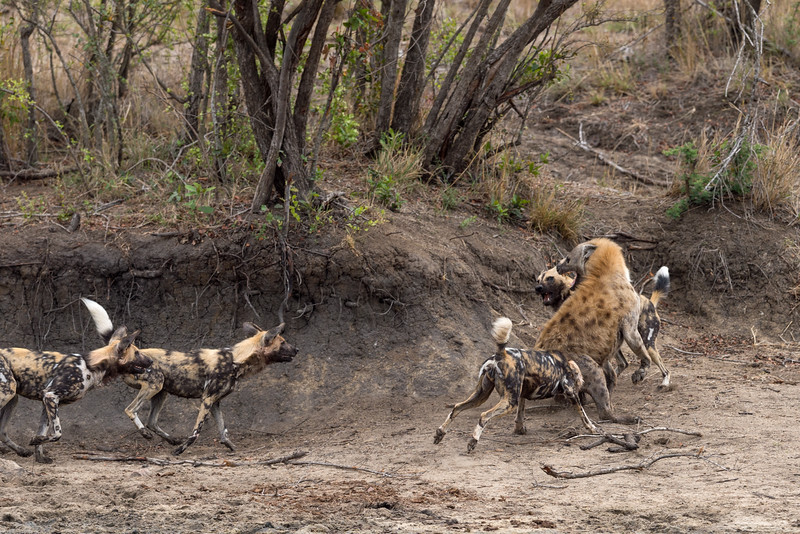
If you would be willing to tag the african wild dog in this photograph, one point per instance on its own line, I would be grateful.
(603, 310)
(56, 378)
(207, 374)
(518, 375)
(555, 288)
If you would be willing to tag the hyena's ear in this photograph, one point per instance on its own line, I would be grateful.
(126, 342)
(251, 329)
(588, 250)
(272, 333)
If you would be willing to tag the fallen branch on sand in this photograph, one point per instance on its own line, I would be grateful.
(628, 441)
(289, 459)
(550, 470)
(352, 468)
(193, 463)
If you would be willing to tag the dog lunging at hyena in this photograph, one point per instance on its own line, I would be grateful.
(518, 374)
(555, 288)
(206, 374)
(603, 310)
(56, 379)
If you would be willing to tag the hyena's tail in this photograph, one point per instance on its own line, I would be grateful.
(101, 319)
(501, 332)
(661, 288)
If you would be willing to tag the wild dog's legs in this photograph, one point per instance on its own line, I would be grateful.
(519, 422)
(5, 415)
(50, 411)
(478, 397)
(634, 341)
(223, 431)
(44, 425)
(156, 404)
(656, 357)
(506, 404)
(205, 408)
(149, 386)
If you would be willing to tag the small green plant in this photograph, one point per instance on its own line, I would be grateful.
(513, 210)
(730, 172)
(467, 222)
(29, 206)
(194, 196)
(450, 198)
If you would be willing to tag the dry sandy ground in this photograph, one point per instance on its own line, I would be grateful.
(388, 476)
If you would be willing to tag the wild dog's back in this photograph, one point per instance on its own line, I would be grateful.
(32, 369)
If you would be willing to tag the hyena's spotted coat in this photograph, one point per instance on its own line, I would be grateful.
(604, 310)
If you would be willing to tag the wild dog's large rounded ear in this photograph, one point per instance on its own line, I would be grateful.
(273, 333)
(127, 341)
(251, 329)
(119, 333)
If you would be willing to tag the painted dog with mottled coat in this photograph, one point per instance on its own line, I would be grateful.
(57, 379)
(206, 374)
(518, 374)
(555, 288)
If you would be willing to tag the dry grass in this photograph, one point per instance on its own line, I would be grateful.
(776, 184)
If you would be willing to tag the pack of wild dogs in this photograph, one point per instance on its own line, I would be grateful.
(205, 374)
(577, 355)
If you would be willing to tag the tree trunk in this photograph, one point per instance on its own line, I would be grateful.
(393, 34)
(306, 88)
(31, 138)
(672, 24)
(199, 69)
(486, 89)
(220, 100)
(413, 78)
(445, 127)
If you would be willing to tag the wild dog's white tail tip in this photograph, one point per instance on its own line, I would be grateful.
(662, 280)
(100, 317)
(501, 330)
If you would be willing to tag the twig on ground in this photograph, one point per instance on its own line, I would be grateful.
(583, 145)
(629, 440)
(352, 468)
(193, 463)
(550, 470)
